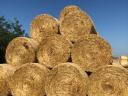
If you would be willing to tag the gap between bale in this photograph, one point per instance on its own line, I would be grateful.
(108, 81)
(42, 26)
(91, 52)
(76, 25)
(66, 79)
(54, 50)
(29, 80)
(21, 50)
(6, 71)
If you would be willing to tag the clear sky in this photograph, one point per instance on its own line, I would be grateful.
(110, 16)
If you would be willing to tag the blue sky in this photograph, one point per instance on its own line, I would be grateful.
(110, 16)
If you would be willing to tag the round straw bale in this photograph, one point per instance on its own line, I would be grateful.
(124, 61)
(67, 10)
(108, 81)
(21, 50)
(54, 50)
(77, 25)
(42, 26)
(6, 71)
(29, 80)
(66, 79)
(91, 52)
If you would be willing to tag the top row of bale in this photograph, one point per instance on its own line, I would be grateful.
(73, 24)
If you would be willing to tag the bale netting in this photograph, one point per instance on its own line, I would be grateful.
(67, 10)
(42, 26)
(108, 81)
(54, 50)
(29, 80)
(6, 71)
(77, 25)
(21, 50)
(91, 52)
(66, 79)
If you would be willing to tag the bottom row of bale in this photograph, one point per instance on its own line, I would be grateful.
(65, 79)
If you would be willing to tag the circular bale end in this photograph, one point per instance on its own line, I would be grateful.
(108, 81)
(29, 80)
(67, 10)
(54, 50)
(6, 71)
(21, 50)
(42, 26)
(91, 53)
(77, 25)
(66, 79)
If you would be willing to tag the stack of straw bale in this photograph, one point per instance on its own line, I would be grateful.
(62, 57)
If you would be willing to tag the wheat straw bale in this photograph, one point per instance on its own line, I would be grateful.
(124, 61)
(67, 10)
(54, 50)
(77, 25)
(29, 80)
(42, 26)
(108, 81)
(21, 50)
(6, 71)
(91, 52)
(66, 79)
